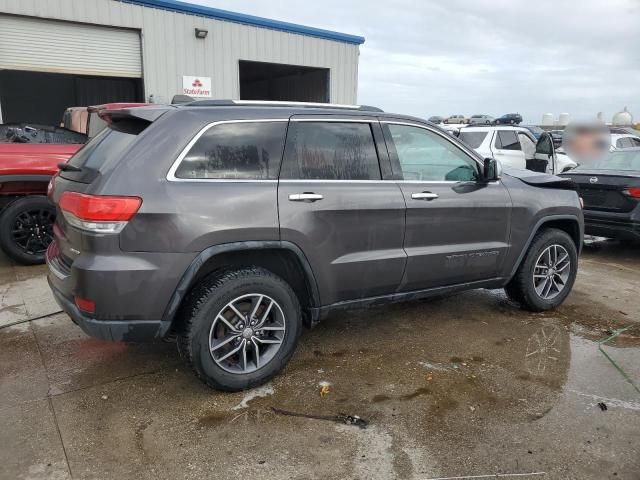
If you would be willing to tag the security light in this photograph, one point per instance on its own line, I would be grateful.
(201, 33)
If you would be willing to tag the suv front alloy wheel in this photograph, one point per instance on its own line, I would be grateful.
(547, 272)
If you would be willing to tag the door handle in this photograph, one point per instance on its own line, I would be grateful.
(424, 196)
(305, 197)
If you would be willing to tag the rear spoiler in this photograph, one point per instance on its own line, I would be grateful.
(147, 114)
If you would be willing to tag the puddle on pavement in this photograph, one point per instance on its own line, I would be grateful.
(502, 371)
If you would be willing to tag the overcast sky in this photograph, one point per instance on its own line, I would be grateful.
(482, 56)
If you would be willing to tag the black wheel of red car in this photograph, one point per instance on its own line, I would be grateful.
(26, 229)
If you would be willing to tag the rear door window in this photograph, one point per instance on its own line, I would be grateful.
(318, 150)
(237, 150)
(507, 140)
(473, 139)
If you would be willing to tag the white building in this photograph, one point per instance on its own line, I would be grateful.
(60, 53)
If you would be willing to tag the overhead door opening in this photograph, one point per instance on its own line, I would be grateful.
(49, 65)
(41, 98)
(276, 81)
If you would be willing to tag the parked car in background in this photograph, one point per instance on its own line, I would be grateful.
(34, 133)
(456, 119)
(624, 131)
(509, 119)
(513, 146)
(480, 120)
(610, 190)
(307, 227)
(624, 141)
(29, 157)
(534, 129)
(436, 119)
(453, 129)
(26, 216)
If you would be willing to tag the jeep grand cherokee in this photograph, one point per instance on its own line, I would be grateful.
(231, 225)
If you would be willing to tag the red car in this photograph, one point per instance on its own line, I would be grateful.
(26, 215)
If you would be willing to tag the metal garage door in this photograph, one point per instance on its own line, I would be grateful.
(41, 45)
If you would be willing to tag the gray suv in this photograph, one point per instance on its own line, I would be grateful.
(230, 225)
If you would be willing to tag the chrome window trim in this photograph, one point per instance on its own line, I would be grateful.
(280, 103)
(336, 120)
(319, 180)
(446, 136)
(171, 174)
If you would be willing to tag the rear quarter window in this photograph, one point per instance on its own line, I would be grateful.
(473, 139)
(107, 144)
(507, 140)
(239, 150)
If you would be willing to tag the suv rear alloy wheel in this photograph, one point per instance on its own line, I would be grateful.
(239, 328)
(247, 333)
(547, 272)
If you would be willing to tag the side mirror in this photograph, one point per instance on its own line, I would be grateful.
(492, 170)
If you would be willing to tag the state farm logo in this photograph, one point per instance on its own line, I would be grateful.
(196, 86)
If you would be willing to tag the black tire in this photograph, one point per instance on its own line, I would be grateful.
(512, 122)
(521, 287)
(17, 239)
(208, 299)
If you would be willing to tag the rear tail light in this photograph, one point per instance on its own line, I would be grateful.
(86, 305)
(633, 192)
(98, 213)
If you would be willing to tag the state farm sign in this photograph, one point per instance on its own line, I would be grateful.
(196, 86)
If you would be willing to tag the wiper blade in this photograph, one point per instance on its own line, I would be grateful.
(67, 167)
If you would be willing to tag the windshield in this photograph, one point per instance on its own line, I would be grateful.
(622, 160)
(472, 139)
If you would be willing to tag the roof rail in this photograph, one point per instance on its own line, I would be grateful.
(274, 103)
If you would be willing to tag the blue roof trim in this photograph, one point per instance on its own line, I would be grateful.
(190, 8)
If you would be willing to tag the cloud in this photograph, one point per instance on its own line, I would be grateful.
(484, 56)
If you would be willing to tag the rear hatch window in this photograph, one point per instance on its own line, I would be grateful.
(110, 144)
(472, 139)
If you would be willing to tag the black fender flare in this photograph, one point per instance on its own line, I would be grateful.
(539, 224)
(186, 282)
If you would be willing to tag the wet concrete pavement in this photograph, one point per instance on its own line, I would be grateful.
(462, 385)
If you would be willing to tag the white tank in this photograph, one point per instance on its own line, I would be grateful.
(564, 119)
(623, 118)
(547, 120)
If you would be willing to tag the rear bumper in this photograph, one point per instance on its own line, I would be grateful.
(111, 330)
(131, 291)
(612, 228)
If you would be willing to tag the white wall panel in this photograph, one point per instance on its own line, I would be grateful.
(35, 44)
(171, 50)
